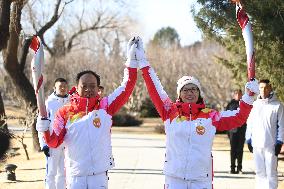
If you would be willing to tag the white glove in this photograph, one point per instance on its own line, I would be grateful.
(251, 89)
(42, 124)
(131, 61)
(140, 54)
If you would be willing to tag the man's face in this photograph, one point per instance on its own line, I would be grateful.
(61, 88)
(87, 86)
(238, 95)
(264, 90)
(189, 93)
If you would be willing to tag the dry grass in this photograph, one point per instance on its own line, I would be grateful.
(14, 114)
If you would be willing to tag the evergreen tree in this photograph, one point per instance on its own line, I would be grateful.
(166, 38)
(217, 20)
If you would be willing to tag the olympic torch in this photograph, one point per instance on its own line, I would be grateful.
(37, 65)
(244, 23)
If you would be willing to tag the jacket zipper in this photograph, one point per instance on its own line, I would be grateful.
(189, 140)
(87, 106)
(189, 112)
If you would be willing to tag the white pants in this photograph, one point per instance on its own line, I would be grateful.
(55, 172)
(265, 168)
(177, 183)
(98, 181)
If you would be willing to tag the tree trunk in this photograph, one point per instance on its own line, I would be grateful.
(3, 123)
(14, 69)
(4, 22)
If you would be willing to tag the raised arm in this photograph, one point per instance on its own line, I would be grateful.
(156, 91)
(227, 120)
(120, 95)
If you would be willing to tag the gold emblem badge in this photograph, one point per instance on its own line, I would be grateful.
(206, 110)
(97, 122)
(181, 119)
(200, 130)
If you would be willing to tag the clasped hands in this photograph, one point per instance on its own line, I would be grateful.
(135, 53)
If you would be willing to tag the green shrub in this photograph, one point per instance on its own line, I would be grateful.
(148, 109)
(124, 119)
(160, 129)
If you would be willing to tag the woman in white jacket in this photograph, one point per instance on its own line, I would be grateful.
(190, 127)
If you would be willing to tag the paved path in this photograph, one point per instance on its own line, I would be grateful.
(139, 161)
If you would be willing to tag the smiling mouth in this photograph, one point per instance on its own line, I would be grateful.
(190, 97)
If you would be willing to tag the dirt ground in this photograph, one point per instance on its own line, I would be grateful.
(30, 173)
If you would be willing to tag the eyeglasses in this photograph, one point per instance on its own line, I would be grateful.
(88, 87)
(192, 90)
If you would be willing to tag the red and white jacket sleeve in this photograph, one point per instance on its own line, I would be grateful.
(121, 94)
(55, 137)
(159, 97)
(227, 120)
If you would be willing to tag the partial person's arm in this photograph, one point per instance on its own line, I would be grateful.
(249, 127)
(280, 130)
(156, 91)
(40, 134)
(280, 123)
(41, 140)
(227, 120)
(55, 137)
(120, 95)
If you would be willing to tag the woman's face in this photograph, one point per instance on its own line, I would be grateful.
(189, 93)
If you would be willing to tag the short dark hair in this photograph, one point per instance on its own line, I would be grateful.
(236, 91)
(60, 79)
(80, 74)
(264, 81)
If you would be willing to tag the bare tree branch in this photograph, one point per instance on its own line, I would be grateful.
(53, 19)
(100, 23)
(32, 17)
(24, 53)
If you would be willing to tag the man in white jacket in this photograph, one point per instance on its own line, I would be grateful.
(84, 126)
(55, 172)
(264, 135)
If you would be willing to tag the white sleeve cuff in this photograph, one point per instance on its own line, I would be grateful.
(130, 63)
(143, 63)
(247, 99)
(42, 125)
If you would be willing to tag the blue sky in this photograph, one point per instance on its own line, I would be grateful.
(155, 14)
